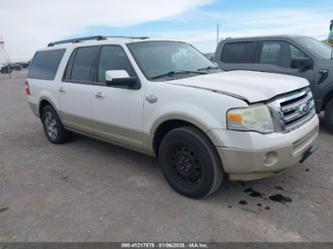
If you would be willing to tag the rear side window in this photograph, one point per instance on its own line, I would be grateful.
(45, 64)
(239, 52)
(81, 64)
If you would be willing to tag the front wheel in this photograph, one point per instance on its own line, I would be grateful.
(329, 115)
(190, 162)
(53, 128)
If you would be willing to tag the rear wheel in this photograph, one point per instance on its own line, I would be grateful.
(329, 115)
(53, 128)
(190, 162)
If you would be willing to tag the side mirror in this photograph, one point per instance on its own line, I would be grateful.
(303, 64)
(119, 78)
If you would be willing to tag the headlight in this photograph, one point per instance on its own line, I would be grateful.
(254, 118)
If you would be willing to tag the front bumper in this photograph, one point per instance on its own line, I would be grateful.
(261, 160)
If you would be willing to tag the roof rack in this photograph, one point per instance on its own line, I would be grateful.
(129, 37)
(76, 40)
(98, 38)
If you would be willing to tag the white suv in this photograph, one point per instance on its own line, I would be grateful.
(166, 99)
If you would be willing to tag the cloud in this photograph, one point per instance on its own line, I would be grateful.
(314, 22)
(28, 25)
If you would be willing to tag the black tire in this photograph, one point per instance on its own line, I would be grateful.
(190, 162)
(329, 115)
(53, 128)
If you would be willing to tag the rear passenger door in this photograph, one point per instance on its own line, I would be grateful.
(237, 55)
(278, 57)
(77, 89)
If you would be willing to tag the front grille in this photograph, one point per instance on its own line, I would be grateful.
(294, 109)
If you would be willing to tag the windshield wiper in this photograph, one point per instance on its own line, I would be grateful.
(172, 73)
(207, 68)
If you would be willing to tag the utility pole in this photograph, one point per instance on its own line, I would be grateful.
(217, 34)
(4, 56)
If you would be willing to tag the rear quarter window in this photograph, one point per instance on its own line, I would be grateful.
(238, 52)
(45, 64)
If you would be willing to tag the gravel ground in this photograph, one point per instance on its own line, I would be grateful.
(88, 190)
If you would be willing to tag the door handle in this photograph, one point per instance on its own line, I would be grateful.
(99, 95)
(62, 90)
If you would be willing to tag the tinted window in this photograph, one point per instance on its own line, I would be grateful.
(240, 52)
(270, 53)
(113, 58)
(280, 53)
(83, 64)
(296, 53)
(45, 64)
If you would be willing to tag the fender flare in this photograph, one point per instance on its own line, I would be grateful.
(326, 96)
(45, 98)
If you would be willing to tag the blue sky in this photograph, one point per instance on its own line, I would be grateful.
(237, 18)
(35, 23)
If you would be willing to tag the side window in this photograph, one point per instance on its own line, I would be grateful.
(296, 53)
(82, 64)
(280, 53)
(270, 53)
(45, 64)
(113, 58)
(239, 52)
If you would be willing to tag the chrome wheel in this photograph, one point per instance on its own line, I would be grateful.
(53, 128)
(51, 125)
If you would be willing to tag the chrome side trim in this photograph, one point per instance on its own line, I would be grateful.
(290, 97)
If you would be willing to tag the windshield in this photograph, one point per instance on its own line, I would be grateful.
(316, 47)
(159, 59)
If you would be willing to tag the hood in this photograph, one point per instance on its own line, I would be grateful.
(248, 85)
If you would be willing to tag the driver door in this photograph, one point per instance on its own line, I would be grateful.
(117, 110)
(277, 57)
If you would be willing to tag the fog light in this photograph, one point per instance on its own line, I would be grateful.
(271, 158)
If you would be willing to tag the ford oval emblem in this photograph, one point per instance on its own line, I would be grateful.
(304, 109)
